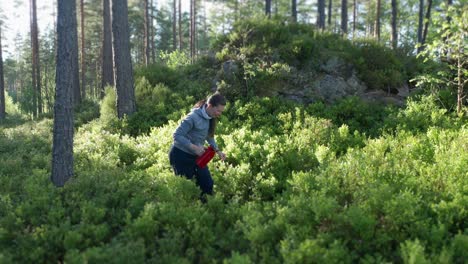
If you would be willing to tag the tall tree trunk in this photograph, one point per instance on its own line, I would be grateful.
(193, 26)
(426, 23)
(321, 14)
(174, 25)
(147, 33)
(107, 57)
(83, 53)
(205, 30)
(54, 8)
(394, 24)
(153, 43)
(294, 10)
(330, 8)
(421, 22)
(268, 8)
(66, 69)
(422, 41)
(460, 93)
(354, 17)
(180, 26)
(36, 74)
(377, 20)
(344, 17)
(122, 60)
(2, 81)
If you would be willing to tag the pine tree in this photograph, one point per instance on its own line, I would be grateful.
(66, 69)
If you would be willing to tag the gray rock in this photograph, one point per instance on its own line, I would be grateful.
(230, 69)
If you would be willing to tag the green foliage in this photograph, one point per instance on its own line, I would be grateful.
(156, 105)
(108, 108)
(447, 48)
(343, 183)
(85, 112)
(296, 187)
(269, 51)
(421, 113)
(379, 67)
(175, 59)
(11, 108)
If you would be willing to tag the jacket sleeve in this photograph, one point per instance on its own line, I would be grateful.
(212, 143)
(181, 132)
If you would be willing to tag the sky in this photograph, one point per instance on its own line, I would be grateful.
(16, 14)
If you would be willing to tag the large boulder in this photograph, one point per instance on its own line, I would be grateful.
(335, 79)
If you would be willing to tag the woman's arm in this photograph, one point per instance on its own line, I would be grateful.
(180, 135)
(212, 143)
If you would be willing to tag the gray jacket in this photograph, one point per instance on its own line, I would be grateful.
(193, 130)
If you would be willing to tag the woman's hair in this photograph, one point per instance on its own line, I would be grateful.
(215, 99)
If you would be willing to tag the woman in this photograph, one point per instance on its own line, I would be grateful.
(189, 137)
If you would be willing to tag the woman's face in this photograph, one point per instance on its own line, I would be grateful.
(215, 111)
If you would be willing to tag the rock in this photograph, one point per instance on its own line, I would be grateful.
(338, 67)
(230, 69)
(404, 90)
(331, 88)
(335, 79)
(383, 97)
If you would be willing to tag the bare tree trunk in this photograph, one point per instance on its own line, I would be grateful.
(205, 30)
(180, 26)
(122, 60)
(344, 17)
(83, 53)
(107, 59)
(421, 21)
(193, 25)
(354, 17)
(268, 8)
(426, 23)
(394, 24)
(330, 8)
(2, 81)
(321, 14)
(54, 8)
(422, 41)
(460, 92)
(153, 43)
(377, 21)
(66, 69)
(36, 73)
(147, 37)
(174, 25)
(46, 88)
(294, 10)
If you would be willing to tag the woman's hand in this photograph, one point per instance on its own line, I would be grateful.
(221, 155)
(199, 150)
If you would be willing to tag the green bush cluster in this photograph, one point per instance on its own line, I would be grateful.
(379, 67)
(259, 45)
(162, 93)
(302, 184)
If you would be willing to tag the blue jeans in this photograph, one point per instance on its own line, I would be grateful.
(184, 164)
